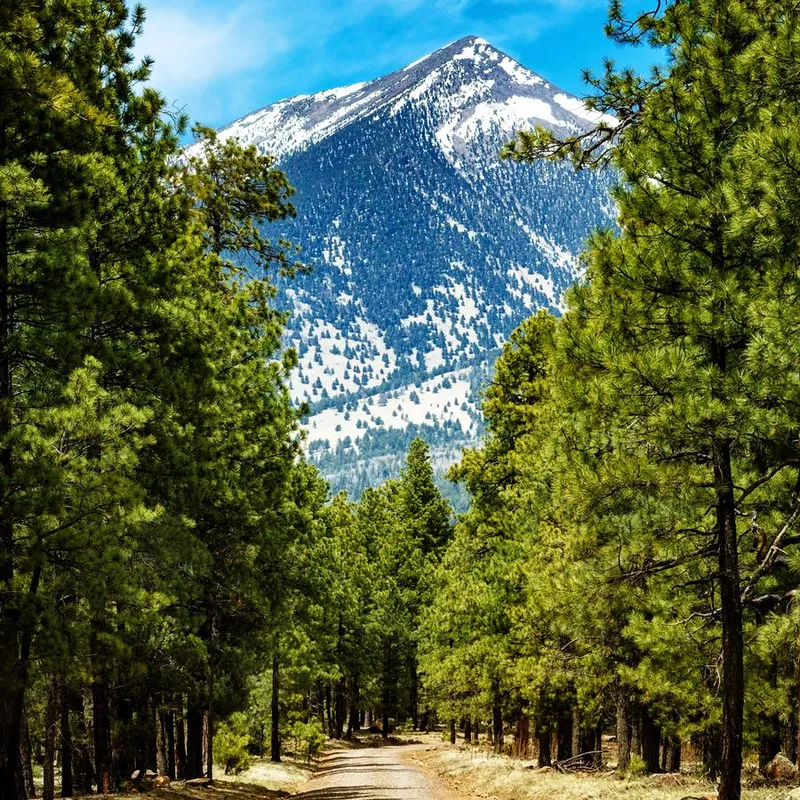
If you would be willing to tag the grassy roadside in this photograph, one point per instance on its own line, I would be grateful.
(477, 773)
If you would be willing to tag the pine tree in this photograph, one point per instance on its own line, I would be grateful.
(670, 328)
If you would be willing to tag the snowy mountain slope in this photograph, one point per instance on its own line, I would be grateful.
(427, 249)
(466, 86)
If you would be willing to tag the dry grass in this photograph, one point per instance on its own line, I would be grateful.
(262, 781)
(474, 772)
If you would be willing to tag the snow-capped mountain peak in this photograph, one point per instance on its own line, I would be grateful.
(466, 88)
(427, 250)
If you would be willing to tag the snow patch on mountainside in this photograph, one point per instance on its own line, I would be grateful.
(444, 397)
(427, 250)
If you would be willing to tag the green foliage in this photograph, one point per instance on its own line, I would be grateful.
(636, 767)
(308, 737)
(231, 741)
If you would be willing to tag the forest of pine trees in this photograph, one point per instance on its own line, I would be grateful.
(179, 592)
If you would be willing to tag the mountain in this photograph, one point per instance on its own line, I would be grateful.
(427, 250)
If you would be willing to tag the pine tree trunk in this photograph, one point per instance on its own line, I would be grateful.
(340, 707)
(385, 723)
(11, 779)
(209, 745)
(467, 729)
(414, 694)
(168, 723)
(673, 754)
(475, 731)
(194, 739)
(497, 728)
(586, 745)
(25, 756)
(545, 741)
(576, 732)
(329, 711)
(635, 720)
(623, 740)
(205, 742)
(180, 742)
(769, 743)
(730, 787)
(522, 737)
(651, 743)
(564, 735)
(101, 730)
(51, 712)
(710, 742)
(452, 731)
(124, 747)
(161, 741)
(797, 702)
(598, 746)
(67, 789)
(84, 762)
(354, 720)
(275, 731)
(12, 701)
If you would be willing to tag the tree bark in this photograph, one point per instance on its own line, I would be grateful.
(340, 707)
(497, 728)
(85, 766)
(67, 789)
(168, 723)
(50, 731)
(672, 748)
(576, 731)
(635, 721)
(452, 731)
(730, 787)
(161, 741)
(101, 730)
(194, 739)
(12, 702)
(275, 731)
(329, 711)
(25, 756)
(598, 746)
(769, 743)
(467, 729)
(545, 741)
(354, 720)
(564, 735)
(180, 742)
(385, 723)
(623, 740)
(414, 693)
(210, 725)
(651, 743)
(11, 778)
(522, 737)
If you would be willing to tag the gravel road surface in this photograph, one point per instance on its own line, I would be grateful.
(371, 774)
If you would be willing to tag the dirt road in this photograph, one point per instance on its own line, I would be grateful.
(378, 773)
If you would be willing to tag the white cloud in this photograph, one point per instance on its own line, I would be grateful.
(195, 43)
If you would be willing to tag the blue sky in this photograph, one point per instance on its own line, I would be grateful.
(220, 59)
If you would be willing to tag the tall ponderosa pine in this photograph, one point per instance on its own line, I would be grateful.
(67, 112)
(673, 327)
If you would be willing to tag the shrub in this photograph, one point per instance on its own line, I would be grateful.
(636, 767)
(309, 738)
(231, 740)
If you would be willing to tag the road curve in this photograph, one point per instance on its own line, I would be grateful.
(375, 773)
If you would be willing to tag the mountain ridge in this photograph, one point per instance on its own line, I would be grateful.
(427, 250)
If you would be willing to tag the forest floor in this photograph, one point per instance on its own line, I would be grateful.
(420, 766)
(475, 772)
